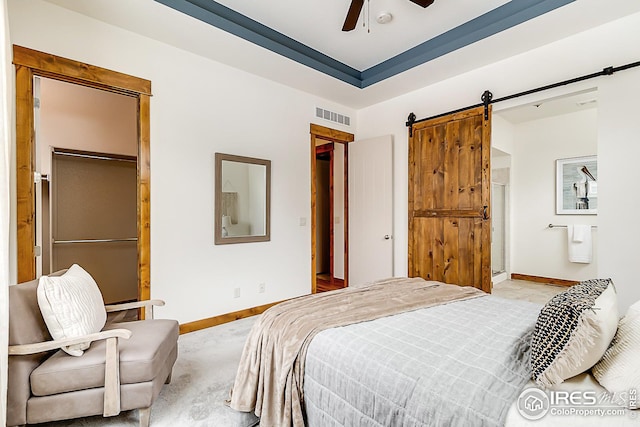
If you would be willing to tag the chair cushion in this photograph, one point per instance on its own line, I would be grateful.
(85, 403)
(71, 306)
(141, 359)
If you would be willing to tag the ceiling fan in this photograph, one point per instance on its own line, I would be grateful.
(356, 7)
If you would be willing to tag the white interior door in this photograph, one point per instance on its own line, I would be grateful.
(370, 210)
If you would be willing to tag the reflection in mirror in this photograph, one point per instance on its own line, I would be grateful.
(242, 204)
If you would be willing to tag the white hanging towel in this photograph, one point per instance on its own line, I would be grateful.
(579, 243)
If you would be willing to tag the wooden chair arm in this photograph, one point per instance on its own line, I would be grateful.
(147, 304)
(112, 361)
(23, 349)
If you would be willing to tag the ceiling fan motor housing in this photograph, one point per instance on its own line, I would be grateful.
(356, 7)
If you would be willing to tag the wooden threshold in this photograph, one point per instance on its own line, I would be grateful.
(197, 325)
(545, 280)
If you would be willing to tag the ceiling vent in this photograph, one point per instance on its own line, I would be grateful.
(333, 116)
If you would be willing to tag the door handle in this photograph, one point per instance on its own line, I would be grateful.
(387, 237)
(484, 212)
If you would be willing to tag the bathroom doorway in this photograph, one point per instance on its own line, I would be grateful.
(498, 231)
(500, 208)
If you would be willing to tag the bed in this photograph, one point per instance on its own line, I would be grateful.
(400, 352)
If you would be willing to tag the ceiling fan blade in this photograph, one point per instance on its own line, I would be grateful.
(352, 15)
(423, 3)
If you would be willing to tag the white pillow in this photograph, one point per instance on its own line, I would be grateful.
(71, 306)
(619, 371)
(573, 331)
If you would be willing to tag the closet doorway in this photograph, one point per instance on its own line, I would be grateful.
(325, 239)
(86, 152)
(329, 209)
(30, 64)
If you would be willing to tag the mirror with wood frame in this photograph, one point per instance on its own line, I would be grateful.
(242, 199)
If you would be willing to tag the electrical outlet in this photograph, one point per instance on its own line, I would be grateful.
(236, 293)
(261, 288)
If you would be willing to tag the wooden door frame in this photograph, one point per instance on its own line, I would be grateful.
(30, 63)
(344, 138)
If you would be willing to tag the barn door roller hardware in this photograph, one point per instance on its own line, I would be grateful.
(486, 100)
(487, 96)
(410, 121)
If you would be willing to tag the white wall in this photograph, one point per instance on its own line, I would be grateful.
(200, 107)
(82, 118)
(612, 44)
(535, 249)
(618, 153)
(502, 138)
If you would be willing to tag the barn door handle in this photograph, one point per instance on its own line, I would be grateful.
(484, 212)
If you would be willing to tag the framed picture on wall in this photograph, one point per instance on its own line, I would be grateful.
(577, 186)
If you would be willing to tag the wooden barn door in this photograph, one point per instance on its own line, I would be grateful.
(449, 199)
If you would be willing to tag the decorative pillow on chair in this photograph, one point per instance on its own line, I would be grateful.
(573, 331)
(71, 306)
(619, 371)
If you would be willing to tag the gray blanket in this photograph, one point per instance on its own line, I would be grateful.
(270, 375)
(458, 364)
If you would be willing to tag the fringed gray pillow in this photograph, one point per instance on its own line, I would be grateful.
(573, 331)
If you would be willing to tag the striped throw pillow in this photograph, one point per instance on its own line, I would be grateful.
(573, 331)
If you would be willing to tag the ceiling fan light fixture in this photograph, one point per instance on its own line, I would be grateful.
(384, 18)
(355, 8)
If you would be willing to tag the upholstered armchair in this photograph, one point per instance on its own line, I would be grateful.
(124, 367)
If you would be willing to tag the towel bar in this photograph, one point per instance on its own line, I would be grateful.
(556, 226)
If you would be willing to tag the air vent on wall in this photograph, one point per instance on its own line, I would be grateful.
(333, 116)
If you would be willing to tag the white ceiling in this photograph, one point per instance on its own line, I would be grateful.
(318, 24)
(546, 108)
